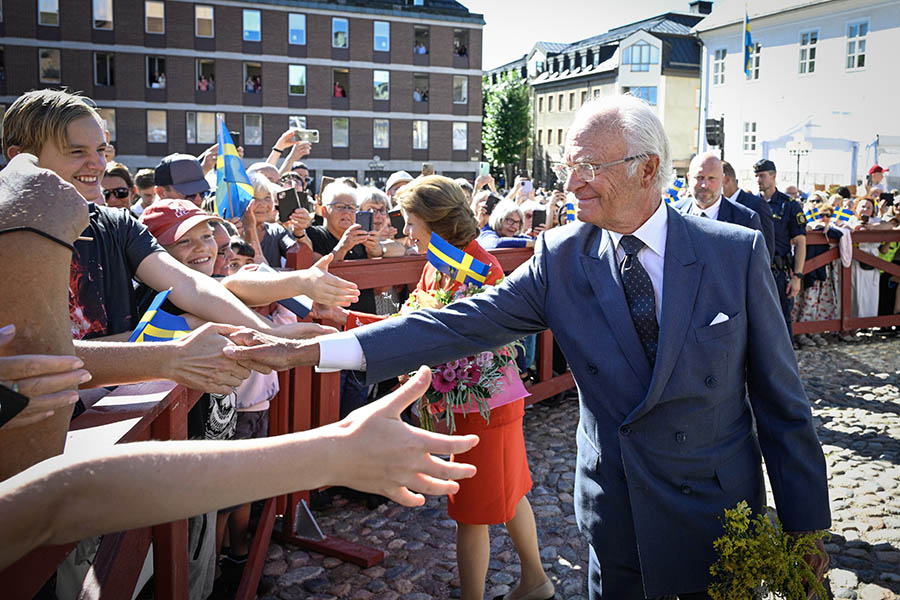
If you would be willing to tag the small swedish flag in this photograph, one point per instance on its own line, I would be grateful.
(159, 326)
(812, 214)
(672, 194)
(570, 212)
(843, 214)
(454, 262)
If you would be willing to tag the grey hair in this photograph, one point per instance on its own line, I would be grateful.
(262, 185)
(643, 132)
(372, 194)
(339, 188)
(503, 209)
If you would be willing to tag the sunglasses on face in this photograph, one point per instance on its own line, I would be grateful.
(120, 193)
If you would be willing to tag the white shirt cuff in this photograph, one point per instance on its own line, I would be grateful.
(340, 351)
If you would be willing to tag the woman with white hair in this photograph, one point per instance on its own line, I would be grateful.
(270, 240)
(506, 224)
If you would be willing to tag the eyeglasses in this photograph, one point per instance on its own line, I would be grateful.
(586, 171)
(343, 207)
(379, 211)
(120, 193)
(512, 222)
(200, 195)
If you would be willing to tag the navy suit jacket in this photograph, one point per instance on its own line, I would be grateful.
(662, 451)
(729, 212)
(762, 208)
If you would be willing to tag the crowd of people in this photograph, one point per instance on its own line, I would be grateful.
(110, 241)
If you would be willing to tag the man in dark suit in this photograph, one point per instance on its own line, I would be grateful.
(705, 182)
(732, 192)
(669, 324)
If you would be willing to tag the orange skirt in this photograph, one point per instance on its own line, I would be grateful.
(503, 478)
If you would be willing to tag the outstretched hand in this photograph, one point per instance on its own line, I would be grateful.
(275, 352)
(383, 455)
(329, 289)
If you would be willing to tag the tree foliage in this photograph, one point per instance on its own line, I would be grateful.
(507, 120)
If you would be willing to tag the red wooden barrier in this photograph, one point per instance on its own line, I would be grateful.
(847, 321)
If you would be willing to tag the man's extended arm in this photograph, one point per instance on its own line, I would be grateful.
(67, 499)
(258, 288)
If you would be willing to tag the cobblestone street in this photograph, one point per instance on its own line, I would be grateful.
(853, 389)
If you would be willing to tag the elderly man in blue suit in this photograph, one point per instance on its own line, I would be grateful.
(674, 334)
(705, 177)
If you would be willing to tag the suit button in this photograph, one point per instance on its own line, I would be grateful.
(681, 437)
(711, 382)
(592, 369)
(686, 490)
(626, 430)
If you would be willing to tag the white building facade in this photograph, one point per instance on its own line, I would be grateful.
(823, 72)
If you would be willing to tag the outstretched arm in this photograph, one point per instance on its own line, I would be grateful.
(258, 288)
(65, 499)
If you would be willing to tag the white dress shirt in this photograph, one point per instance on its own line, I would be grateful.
(652, 256)
(711, 212)
(342, 350)
(734, 197)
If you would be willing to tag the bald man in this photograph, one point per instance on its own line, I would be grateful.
(705, 177)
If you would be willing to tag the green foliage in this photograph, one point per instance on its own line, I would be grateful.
(507, 120)
(757, 555)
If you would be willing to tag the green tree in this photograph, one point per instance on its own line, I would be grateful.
(507, 120)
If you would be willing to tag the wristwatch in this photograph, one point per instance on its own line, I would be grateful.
(797, 275)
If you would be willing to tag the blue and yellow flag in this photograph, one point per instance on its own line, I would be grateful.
(454, 262)
(570, 212)
(159, 326)
(843, 214)
(672, 193)
(233, 189)
(812, 214)
(748, 45)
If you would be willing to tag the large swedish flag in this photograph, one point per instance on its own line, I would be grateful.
(159, 326)
(233, 189)
(454, 262)
(748, 45)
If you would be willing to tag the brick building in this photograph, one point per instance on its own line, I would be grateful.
(160, 71)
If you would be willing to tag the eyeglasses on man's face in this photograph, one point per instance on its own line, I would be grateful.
(199, 195)
(586, 171)
(120, 193)
(343, 207)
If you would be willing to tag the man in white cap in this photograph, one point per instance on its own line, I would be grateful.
(396, 181)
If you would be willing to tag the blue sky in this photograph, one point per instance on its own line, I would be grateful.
(512, 26)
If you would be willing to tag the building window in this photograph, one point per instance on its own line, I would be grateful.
(571, 100)
(559, 137)
(420, 88)
(381, 133)
(104, 69)
(381, 82)
(297, 80)
(584, 97)
(640, 56)
(808, 41)
(460, 89)
(540, 139)
(382, 30)
(253, 130)
(156, 127)
(340, 33)
(460, 136)
(252, 26)
(201, 127)
(297, 122)
(559, 102)
(48, 12)
(420, 135)
(103, 14)
(749, 139)
(540, 104)
(856, 45)
(549, 103)
(719, 66)
(206, 74)
(646, 93)
(204, 21)
(596, 92)
(252, 77)
(340, 132)
(461, 45)
(297, 29)
(154, 17)
(50, 65)
(341, 82)
(420, 40)
(753, 72)
(156, 72)
(108, 115)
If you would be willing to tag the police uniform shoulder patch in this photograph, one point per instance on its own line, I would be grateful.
(801, 218)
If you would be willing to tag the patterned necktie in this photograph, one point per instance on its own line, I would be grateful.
(639, 294)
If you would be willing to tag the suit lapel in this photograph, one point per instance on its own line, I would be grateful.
(725, 212)
(602, 272)
(681, 280)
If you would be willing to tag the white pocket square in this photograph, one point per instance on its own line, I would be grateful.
(720, 318)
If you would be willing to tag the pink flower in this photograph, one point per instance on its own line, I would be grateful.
(471, 376)
(463, 363)
(453, 364)
(484, 358)
(449, 373)
(440, 384)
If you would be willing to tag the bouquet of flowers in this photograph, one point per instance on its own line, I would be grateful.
(464, 384)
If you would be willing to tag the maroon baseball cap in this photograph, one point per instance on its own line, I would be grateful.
(878, 169)
(168, 220)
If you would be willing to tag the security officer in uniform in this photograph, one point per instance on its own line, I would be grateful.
(790, 234)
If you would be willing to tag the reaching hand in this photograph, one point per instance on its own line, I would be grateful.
(334, 314)
(328, 289)
(208, 158)
(386, 456)
(200, 365)
(277, 353)
(301, 331)
(300, 150)
(49, 381)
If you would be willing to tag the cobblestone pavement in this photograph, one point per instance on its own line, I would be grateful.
(853, 389)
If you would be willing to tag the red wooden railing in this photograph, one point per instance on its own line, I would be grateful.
(847, 321)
